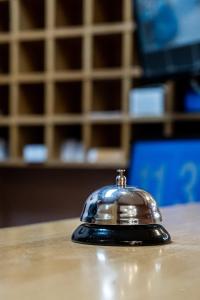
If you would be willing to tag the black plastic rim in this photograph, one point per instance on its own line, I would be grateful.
(121, 235)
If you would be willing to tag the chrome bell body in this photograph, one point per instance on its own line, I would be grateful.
(121, 209)
(112, 205)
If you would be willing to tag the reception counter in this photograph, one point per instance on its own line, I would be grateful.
(40, 262)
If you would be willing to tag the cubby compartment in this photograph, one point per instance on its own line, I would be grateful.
(106, 136)
(186, 129)
(4, 143)
(135, 59)
(31, 99)
(4, 100)
(143, 83)
(68, 13)
(68, 53)
(29, 135)
(105, 11)
(5, 58)
(68, 97)
(106, 96)
(31, 56)
(4, 16)
(180, 88)
(107, 51)
(67, 138)
(187, 91)
(31, 14)
(147, 131)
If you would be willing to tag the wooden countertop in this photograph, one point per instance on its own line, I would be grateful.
(40, 262)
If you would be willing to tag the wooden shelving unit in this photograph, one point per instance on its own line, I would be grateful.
(66, 72)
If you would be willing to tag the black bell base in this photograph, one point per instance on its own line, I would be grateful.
(121, 235)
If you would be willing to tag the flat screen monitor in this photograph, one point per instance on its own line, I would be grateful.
(169, 36)
(169, 170)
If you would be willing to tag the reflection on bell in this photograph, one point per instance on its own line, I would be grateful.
(121, 215)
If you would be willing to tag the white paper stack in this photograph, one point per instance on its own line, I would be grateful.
(72, 151)
(35, 153)
(3, 150)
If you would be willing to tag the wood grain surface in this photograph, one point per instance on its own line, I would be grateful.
(40, 262)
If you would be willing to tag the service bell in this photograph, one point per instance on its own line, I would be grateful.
(121, 215)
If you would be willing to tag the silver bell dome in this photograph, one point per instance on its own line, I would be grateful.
(120, 204)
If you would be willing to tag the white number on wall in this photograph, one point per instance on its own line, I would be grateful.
(190, 172)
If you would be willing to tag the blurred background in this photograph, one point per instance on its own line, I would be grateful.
(88, 86)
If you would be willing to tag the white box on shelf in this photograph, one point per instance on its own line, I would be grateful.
(35, 153)
(147, 101)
